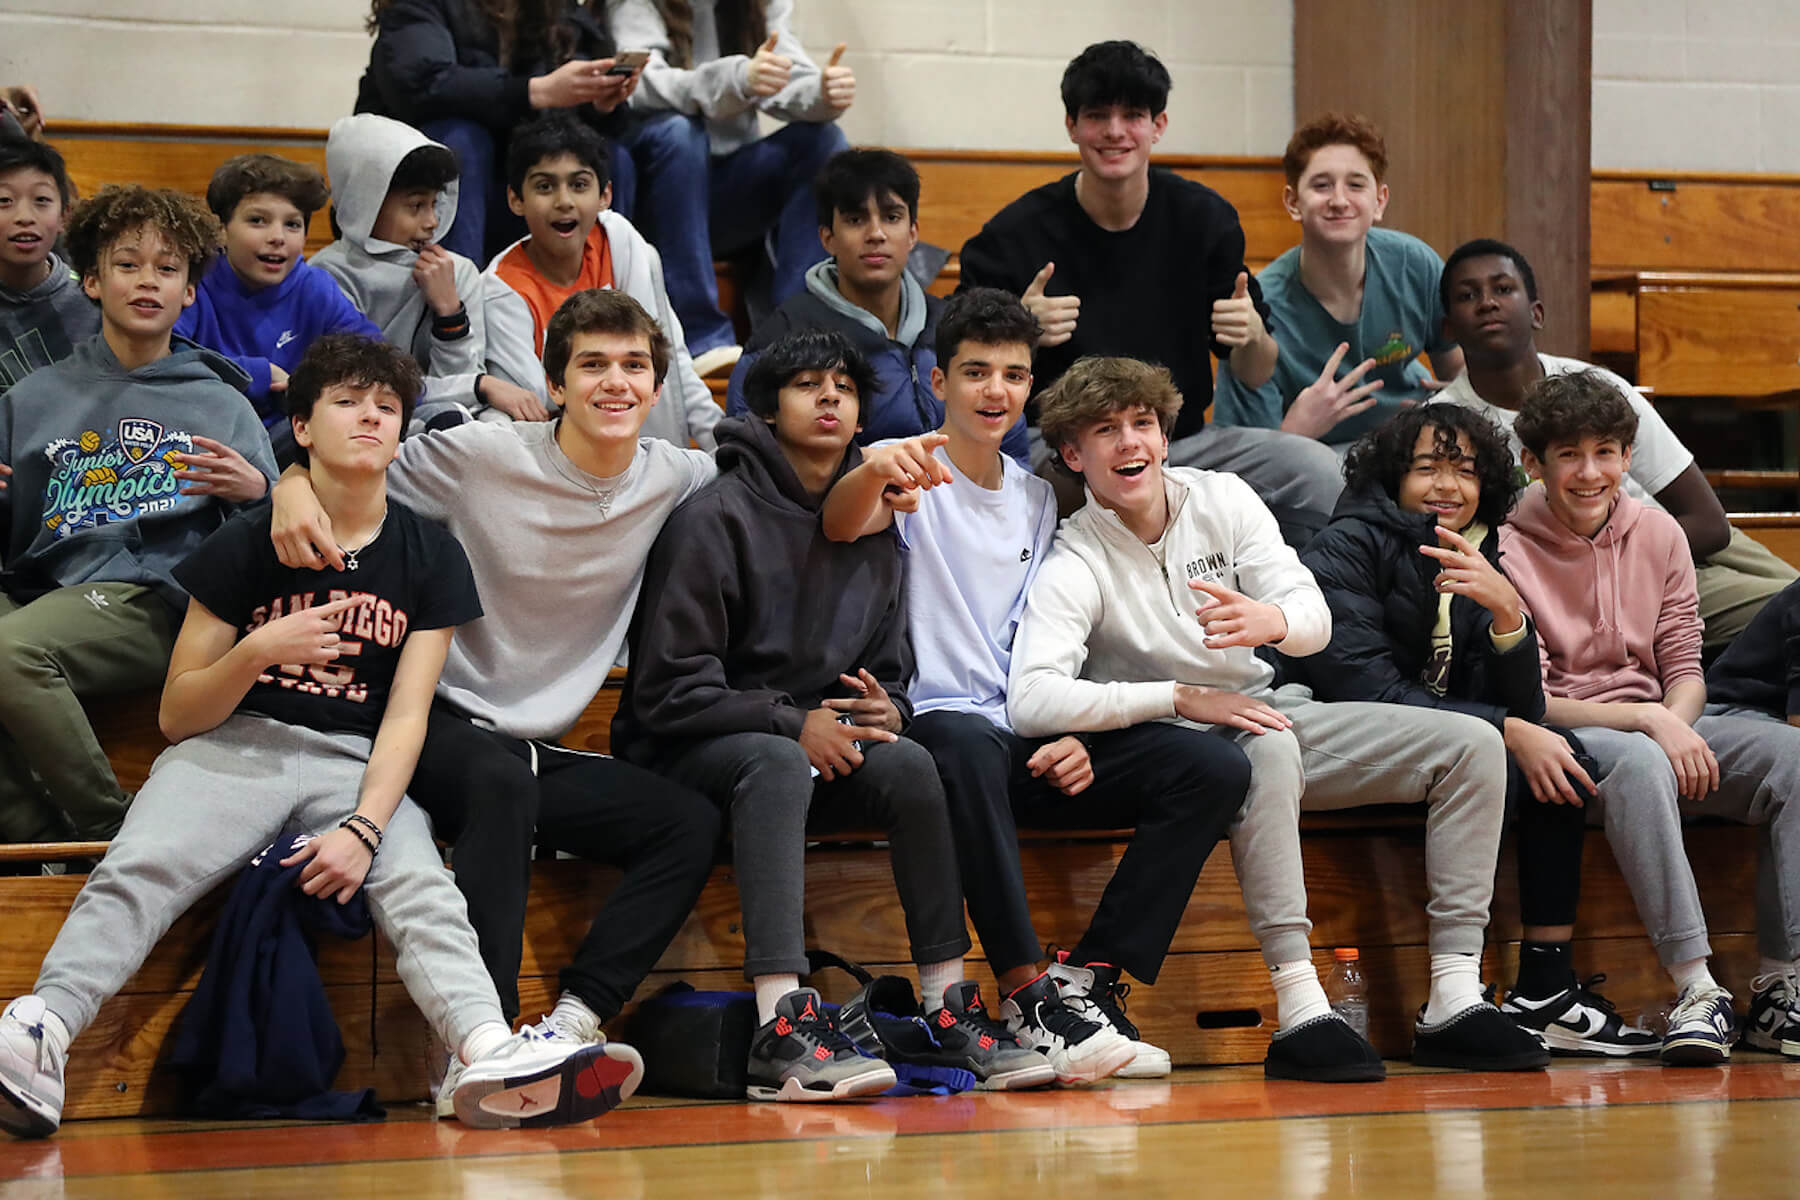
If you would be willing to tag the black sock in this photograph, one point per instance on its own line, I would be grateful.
(1545, 968)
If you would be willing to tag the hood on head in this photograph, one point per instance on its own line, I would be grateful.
(361, 155)
(748, 444)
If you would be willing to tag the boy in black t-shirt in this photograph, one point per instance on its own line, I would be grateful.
(1118, 259)
(290, 692)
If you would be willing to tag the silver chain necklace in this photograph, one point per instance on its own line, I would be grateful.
(350, 563)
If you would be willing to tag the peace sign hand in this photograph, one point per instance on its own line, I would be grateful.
(1467, 572)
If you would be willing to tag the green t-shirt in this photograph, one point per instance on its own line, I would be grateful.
(1401, 318)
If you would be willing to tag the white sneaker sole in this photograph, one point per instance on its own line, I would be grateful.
(1561, 1041)
(1150, 1062)
(869, 1083)
(589, 1083)
(1014, 1081)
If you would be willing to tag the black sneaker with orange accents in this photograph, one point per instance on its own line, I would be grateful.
(801, 1055)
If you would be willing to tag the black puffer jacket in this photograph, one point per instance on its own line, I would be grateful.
(440, 59)
(1383, 607)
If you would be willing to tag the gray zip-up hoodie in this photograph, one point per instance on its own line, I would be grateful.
(41, 325)
(361, 156)
(93, 495)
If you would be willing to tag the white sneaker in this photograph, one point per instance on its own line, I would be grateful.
(1096, 992)
(717, 361)
(540, 1076)
(1081, 1049)
(31, 1072)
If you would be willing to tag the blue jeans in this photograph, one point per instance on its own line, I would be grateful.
(484, 225)
(695, 207)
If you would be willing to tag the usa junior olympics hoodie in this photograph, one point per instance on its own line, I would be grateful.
(1617, 614)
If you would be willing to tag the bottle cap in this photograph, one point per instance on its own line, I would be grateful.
(1346, 954)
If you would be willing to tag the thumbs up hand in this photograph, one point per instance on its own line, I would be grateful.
(769, 71)
(1235, 321)
(839, 83)
(1056, 315)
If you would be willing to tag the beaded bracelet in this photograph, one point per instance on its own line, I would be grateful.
(372, 845)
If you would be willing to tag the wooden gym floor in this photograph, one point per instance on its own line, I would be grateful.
(1583, 1129)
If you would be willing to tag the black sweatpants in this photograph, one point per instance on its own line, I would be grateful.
(1179, 787)
(1548, 841)
(492, 796)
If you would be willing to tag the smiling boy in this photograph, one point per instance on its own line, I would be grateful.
(868, 212)
(122, 457)
(1368, 291)
(557, 178)
(1122, 258)
(261, 304)
(301, 697)
(587, 494)
(43, 311)
(1610, 583)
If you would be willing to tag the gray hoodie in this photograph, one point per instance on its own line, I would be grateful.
(41, 325)
(93, 495)
(361, 155)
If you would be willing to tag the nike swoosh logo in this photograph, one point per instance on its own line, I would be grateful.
(1589, 1024)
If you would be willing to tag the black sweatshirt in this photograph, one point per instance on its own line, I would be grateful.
(749, 613)
(1146, 292)
(1761, 667)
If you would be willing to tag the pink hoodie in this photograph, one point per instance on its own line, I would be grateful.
(1618, 615)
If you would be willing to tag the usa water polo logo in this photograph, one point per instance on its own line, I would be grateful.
(139, 438)
(96, 479)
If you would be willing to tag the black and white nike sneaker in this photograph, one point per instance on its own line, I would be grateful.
(1579, 1022)
(1701, 1028)
(1773, 1023)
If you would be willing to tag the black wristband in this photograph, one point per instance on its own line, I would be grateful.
(369, 844)
(453, 327)
(477, 388)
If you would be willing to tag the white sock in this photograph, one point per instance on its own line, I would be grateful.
(575, 1018)
(1692, 973)
(1776, 966)
(1455, 986)
(769, 989)
(483, 1040)
(1298, 996)
(937, 978)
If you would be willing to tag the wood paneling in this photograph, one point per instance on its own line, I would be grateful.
(1695, 226)
(1736, 341)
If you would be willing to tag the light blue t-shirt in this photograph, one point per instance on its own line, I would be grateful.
(1402, 317)
(971, 555)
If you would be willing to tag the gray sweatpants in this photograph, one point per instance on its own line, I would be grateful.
(1346, 755)
(209, 805)
(1759, 774)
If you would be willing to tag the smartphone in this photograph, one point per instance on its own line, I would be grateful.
(627, 61)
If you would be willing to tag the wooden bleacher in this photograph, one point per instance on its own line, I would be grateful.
(1364, 869)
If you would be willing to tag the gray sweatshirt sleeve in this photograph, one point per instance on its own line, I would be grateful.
(719, 89)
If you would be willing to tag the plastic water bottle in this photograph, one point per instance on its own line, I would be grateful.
(1345, 988)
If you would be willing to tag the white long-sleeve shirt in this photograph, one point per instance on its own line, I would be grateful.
(1110, 626)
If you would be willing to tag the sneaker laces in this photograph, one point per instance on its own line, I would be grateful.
(1062, 1015)
(984, 1024)
(1695, 1001)
(824, 1031)
(1585, 994)
(1110, 1000)
(1788, 981)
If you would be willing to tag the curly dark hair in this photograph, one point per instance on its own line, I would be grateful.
(358, 361)
(114, 211)
(1567, 408)
(599, 310)
(987, 317)
(805, 350)
(249, 174)
(1382, 456)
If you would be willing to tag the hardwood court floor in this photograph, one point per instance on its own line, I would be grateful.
(1582, 1129)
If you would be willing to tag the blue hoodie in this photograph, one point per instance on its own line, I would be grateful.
(269, 326)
